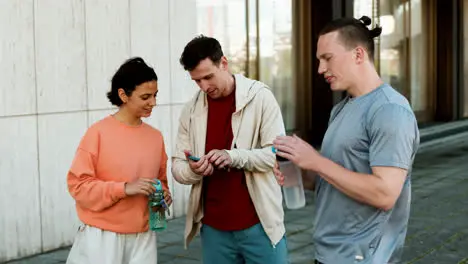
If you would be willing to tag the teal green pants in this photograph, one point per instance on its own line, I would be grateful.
(249, 246)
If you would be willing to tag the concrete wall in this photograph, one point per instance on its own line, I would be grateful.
(56, 62)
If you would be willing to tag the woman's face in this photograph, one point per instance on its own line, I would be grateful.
(142, 100)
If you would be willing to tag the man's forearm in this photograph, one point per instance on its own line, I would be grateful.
(261, 160)
(365, 188)
(183, 174)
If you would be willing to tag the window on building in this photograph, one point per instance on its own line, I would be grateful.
(256, 36)
(403, 51)
(275, 50)
(221, 20)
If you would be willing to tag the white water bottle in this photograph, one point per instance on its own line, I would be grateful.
(293, 188)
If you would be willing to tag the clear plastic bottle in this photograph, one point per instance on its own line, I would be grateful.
(157, 209)
(293, 188)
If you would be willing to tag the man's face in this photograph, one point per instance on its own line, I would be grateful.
(337, 63)
(142, 100)
(211, 78)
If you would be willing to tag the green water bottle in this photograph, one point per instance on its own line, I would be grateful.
(157, 209)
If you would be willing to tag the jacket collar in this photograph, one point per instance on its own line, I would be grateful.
(246, 89)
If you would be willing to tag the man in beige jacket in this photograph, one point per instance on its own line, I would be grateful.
(223, 150)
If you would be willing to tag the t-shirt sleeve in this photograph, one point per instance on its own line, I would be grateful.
(393, 137)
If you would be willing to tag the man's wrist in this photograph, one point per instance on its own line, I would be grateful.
(318, 165)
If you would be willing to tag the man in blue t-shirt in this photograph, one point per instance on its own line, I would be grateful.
(363, 188)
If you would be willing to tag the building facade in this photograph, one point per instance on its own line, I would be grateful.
(421, 52)
(57, 59)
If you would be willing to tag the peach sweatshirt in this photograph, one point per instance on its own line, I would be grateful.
(110, 154)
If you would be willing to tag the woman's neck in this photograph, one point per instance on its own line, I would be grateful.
(123, 116)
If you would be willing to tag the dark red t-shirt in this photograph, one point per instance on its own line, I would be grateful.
(227, 203)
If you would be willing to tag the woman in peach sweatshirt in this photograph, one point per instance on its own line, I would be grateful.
(112, 173)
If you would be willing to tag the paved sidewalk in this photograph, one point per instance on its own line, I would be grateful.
(438, 228)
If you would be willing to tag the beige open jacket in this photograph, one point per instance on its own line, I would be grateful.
(255, 124)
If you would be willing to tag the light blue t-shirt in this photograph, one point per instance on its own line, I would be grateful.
(376, 129)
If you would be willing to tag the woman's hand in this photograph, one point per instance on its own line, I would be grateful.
(142, 186)
(167, 197)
